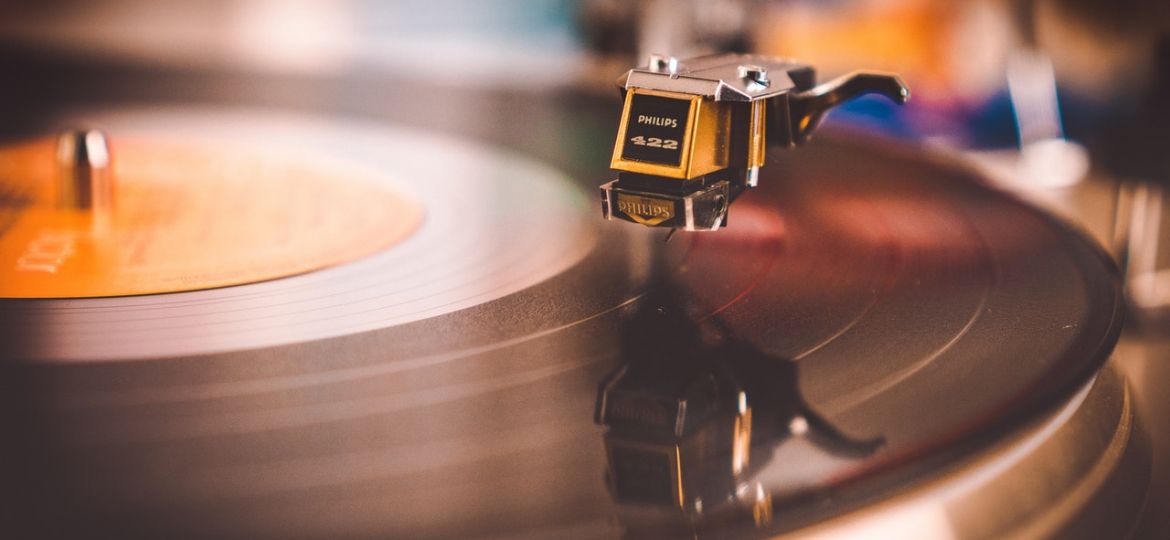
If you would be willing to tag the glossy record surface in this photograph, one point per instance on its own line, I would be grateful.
(915, 305)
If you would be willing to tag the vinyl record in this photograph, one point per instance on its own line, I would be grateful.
(883, 315)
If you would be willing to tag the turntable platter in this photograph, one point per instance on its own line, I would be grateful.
(444, 386)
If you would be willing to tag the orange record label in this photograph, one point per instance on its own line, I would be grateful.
(187, 217)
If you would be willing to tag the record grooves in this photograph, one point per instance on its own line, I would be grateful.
(444, 386)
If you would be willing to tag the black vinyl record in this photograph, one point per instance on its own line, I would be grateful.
(881, 312)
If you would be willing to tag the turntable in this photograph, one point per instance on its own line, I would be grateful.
(229, 312)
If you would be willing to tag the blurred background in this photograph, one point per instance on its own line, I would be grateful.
(1044, 93)
(972, 63)
(987, 74)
